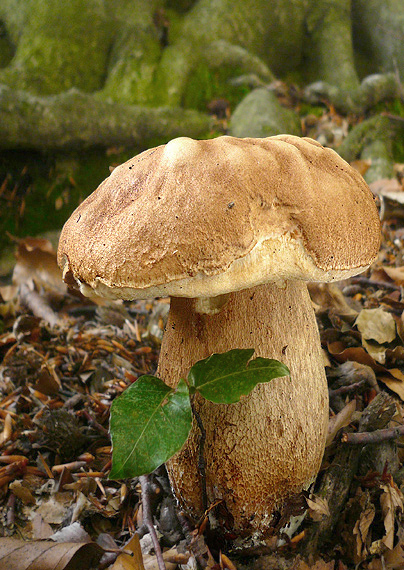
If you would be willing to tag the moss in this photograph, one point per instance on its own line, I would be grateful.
(41, 190)
(6, 46)
(206, 84)
(62, 44)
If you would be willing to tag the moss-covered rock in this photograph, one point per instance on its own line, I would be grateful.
(261, 115)
(60, 45)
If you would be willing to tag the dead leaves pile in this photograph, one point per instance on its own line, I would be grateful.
(63, 361)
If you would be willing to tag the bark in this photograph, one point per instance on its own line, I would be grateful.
(79, 120)
(262, 450)
(335, 484)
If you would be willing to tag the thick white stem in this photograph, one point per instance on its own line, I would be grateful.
(267, 447)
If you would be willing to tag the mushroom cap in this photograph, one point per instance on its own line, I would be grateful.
(203, 218)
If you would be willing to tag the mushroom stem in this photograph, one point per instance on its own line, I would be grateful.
(269, 446)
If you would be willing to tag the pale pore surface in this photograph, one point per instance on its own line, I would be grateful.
(269, 446)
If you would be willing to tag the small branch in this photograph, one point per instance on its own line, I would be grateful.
(94, 424)
(144, 481)
(347, 389)
(374, 283)
(377, 436)
(201, 459)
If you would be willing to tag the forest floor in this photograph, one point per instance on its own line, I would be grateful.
(63, 359)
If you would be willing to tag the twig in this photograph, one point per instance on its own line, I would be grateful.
(195, 543)
(347, 389)
(374, 283)
(201, 459)
(377, 436)
(94, 424)
(11, 510)
(144, 481)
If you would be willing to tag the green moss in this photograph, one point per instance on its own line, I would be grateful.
(6, 46)
(41, 190)
(394, 107)
(206, 84)
(307, 109)
(63, 44)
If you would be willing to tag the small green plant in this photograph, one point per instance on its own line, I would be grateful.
(150, 421)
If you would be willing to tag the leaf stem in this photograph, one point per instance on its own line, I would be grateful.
(201, 459)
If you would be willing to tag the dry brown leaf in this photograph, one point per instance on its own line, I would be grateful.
(394, 384)
(377, 325)
(392, 377)
(40, 529)
(329, 296)
(389, 187)
(318, 508)
(361, 529)
(128, 562)
(362, 166)
(391, 501)
(48, 555)
(396, 274)
(394, 559)
(226, 563)
(377, 351)
(342, 419)
(36, 260)
(22, 492)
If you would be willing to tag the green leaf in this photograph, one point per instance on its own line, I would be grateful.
(225, 378)
(149, 423)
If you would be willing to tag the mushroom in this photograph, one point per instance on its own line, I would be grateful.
(231, 229)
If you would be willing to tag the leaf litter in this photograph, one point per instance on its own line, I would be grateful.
(63, 361)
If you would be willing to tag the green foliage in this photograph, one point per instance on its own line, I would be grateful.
(150, 421)
(225, 378)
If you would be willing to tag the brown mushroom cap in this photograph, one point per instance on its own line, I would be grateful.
(203, 218)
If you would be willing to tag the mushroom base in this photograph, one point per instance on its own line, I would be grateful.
(267, 447)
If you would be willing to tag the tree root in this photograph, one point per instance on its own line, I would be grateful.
(373, 89)
(78, 120)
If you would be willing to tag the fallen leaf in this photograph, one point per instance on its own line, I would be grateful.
(361, 529)
(36, 260)
(362, 166)
(376, 324)
(22, 492)
(392, 377)
(394, 384)
(342, 419)
(391, 501)
(328, 296)
(396, 274)
(40, 529)
(48, 555)
(318, 508)
(389, 187)
(394, 559)
(377, 351)
(126, 561)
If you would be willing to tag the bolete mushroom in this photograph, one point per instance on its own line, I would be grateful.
(231, 229)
